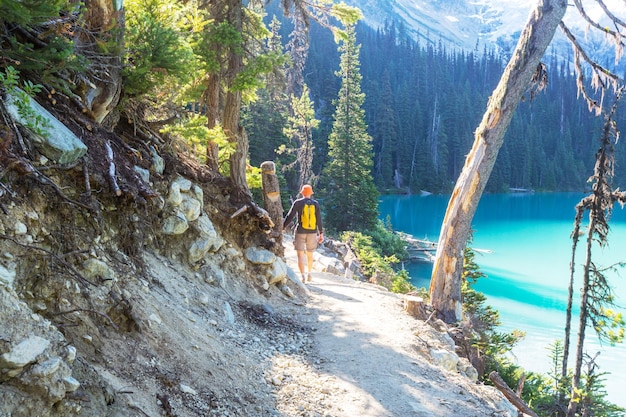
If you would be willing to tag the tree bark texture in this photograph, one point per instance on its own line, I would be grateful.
(237, 135)
(271, 200)
(445, 286)
(103, 21)
(211, 100)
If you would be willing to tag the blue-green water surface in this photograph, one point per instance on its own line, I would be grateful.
(523, 245)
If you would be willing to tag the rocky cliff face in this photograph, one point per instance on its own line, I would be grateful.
(100, 316)
(120, 279)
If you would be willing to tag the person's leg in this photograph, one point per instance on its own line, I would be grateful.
(299, 243)
(309, 262)
(302, 261)
(311, 245)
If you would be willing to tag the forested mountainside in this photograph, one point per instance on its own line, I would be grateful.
(423, 104)
(137, 280)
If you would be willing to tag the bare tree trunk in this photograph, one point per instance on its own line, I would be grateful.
(445, 286)
(211, 100)
(103, 20)
(433, 138)
(582, 324)
(580, 210)
(272, 202)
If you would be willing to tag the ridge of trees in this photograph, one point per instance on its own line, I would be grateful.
(423, 102)
(411, 118)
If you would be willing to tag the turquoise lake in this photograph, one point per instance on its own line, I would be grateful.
(527, 251)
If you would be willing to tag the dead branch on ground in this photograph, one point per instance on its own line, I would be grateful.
(56, 257)
(510, 395)
(87, 310)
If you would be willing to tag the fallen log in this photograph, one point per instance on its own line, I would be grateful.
(510, 394)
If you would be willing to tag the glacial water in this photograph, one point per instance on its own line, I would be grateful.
(523, 245)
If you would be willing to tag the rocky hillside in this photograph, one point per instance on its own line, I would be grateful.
(133, 283)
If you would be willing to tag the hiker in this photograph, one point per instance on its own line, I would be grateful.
(308, 231)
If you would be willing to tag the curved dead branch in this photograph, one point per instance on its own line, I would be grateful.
(618, 22)
(601, 75)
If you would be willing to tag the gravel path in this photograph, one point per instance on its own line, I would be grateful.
(367, 357)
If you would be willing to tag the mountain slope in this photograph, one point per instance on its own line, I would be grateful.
(476, 24)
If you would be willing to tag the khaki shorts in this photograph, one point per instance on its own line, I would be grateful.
(305, 241)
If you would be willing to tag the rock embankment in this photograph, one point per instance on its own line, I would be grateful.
(190, 323)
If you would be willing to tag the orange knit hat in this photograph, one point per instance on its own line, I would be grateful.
(306, 190)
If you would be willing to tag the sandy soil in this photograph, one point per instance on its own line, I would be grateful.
(370, 358)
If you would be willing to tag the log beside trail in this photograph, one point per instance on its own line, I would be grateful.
(510, 394)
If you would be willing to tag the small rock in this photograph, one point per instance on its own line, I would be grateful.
(188, 390)
(175, 224)
(228, 313)
(24, 353)
(7, 276)
(20, 228)
(154, 318)
(46, 368)
(71, 384)
(70, 354)
(286, 290)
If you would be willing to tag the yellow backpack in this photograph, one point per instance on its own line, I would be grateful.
(308, 220)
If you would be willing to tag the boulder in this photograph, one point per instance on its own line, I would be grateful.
(51, 138)
(23, 353)
(260, 256)
(444, 358)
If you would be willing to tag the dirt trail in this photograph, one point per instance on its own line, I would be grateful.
(372, 359)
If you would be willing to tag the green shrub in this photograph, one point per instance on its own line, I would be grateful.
(10, 82)
(377, 266)
(53, 50)
(387, 242)
(159, 57)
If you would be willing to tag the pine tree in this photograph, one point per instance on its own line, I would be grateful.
(351, 199)
(299, 130)
(385, 136)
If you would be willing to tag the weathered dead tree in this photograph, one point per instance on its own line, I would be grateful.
(595, 292)
(272, 202)
(524, 66)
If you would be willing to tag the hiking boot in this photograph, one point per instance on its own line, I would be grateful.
(303, 278)
(308, 278)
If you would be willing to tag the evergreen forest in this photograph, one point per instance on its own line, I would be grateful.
(422, 105)
(220, 87)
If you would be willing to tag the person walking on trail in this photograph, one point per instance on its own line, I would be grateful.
(309, 232)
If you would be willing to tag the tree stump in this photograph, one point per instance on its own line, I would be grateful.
(271, 200)
(415, 306)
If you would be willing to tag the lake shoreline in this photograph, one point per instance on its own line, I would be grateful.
(528, 236)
